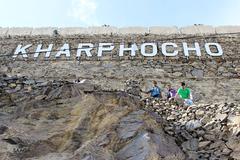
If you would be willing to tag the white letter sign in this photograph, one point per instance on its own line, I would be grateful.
(132, 49)
(104, 47)
(39, 50)
(87, 50)
(187, 49)
(164, 49)
(64, 50)
(154, 49)
(219, 48)
(21, 50)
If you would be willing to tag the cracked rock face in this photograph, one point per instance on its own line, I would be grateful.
(62, 120)
(59, 120)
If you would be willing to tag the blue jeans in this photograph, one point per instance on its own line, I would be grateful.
(156, 96)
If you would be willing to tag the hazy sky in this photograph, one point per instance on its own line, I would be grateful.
(66, 13)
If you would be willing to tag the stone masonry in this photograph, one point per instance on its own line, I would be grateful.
(215, 77)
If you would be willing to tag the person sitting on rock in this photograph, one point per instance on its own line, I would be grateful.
(155, 91)
(171, 93)
(185, 96)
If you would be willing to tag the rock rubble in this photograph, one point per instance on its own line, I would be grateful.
(204, 131)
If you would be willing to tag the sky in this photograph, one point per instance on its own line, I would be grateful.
(119, 13)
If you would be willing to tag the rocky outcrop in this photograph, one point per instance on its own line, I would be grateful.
(42, 119)
(63, 120)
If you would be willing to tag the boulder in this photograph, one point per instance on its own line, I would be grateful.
(193, 124)
(234, 120)
(221, 117)
(150, 146)
(200, 112)
(203, 144)
(130, 125)
(234, 144)
(190, 145)
(198, 73)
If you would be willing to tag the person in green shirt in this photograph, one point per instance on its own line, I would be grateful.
(185, 95)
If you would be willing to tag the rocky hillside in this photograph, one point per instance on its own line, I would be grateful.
(60, 120)
(44, 115)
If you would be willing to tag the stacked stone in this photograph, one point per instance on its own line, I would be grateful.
(133, 87)
(204, 131)
(15, 90)
(21, 84)
(226, 66)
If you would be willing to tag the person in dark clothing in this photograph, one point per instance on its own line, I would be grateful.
(171, 94)
(155, 91)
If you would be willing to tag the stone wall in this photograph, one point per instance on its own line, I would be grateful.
(215, 77)
(189, 30)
